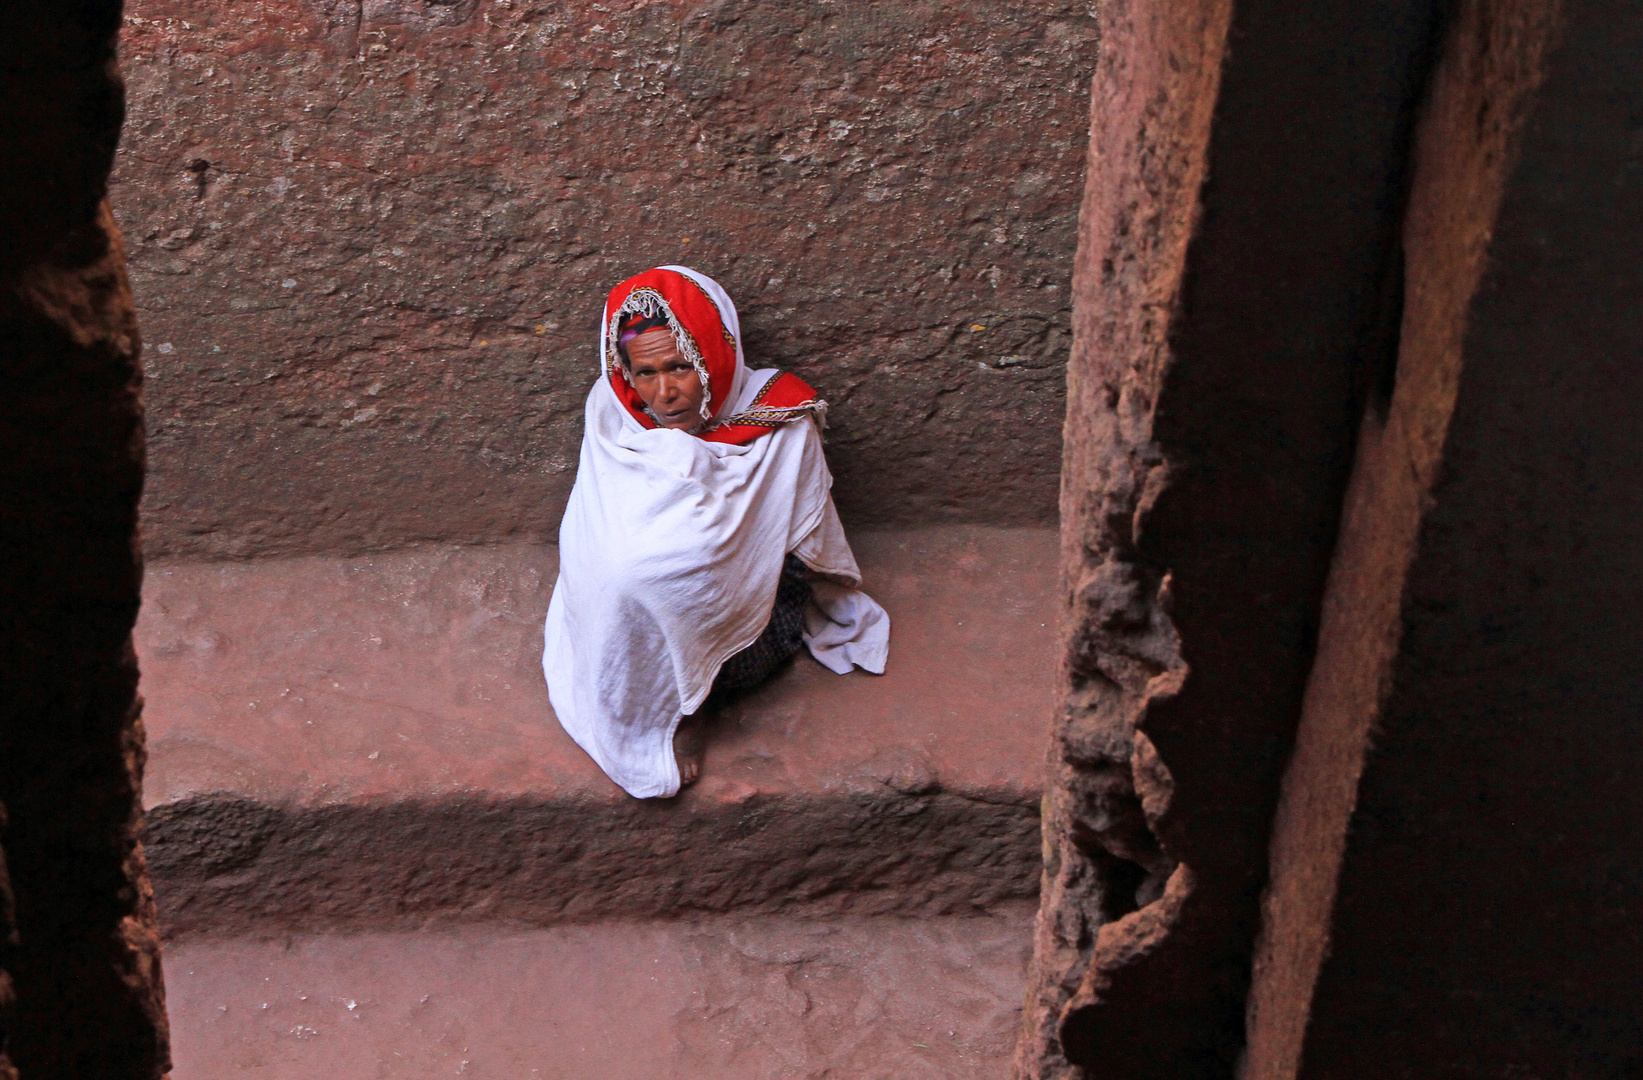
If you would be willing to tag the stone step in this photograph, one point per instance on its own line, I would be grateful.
(366, 743)
(728, 998)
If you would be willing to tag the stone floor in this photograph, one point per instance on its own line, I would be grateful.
(418, 673)
(358, 794)
(366, 743)
(726, 999)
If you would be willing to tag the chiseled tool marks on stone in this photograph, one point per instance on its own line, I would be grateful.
(234, 866)
(372, 239)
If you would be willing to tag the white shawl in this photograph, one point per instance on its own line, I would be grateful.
(669, 554)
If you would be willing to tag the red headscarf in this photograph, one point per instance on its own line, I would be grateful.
(707, 334)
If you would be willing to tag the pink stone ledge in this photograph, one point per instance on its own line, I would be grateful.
(367, 742)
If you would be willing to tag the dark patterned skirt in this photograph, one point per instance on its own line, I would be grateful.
(782, 637)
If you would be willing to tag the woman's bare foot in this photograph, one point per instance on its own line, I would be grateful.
(688, 744)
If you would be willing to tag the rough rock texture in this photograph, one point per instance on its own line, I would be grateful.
(1231, 313)
(728, 999)
(1488, 899)
(1480, 87)
(235, 867)
(371, 237)
(77, 938)
(367, 743)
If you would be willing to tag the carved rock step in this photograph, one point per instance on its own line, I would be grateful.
(727, 998)
(366, 743)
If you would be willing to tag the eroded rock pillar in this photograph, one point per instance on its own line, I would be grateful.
(80, 951)
(1455, 859)
(1235, 303)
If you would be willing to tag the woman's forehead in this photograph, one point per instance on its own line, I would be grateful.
(653, 345)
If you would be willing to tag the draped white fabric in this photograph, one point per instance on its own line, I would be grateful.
(669, 555)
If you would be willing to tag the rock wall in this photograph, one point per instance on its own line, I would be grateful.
(370, 239)
(1464, 148)
(1456, 856)
(1419, 221)
(1233, 293)
(80, 991)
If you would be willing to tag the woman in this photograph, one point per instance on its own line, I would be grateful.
(698, 479)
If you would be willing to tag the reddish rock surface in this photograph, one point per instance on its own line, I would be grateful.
(1454, 886)
(1457, 886)
(80, 990)
(370, 241)
(1491, 61)
(1232, 297)
(744, 999)
(368, 742)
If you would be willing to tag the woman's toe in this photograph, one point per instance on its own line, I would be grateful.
(687, 751)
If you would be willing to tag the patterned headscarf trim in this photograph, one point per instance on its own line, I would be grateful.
(648, 302)
(643, 302)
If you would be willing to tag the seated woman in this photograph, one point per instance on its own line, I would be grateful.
(700, 545)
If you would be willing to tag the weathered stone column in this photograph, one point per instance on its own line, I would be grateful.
(1234, 304)
(1456, 881)
(81, 954)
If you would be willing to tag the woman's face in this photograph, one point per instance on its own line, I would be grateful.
(670, 387)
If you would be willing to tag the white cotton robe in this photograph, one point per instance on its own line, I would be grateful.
(669, 555)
